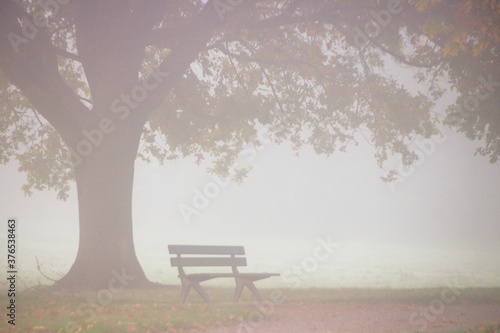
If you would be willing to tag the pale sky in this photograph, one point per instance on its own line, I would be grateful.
(451, 194)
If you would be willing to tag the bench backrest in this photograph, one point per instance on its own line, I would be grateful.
(206, 255)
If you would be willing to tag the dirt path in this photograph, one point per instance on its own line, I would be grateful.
(369, 317)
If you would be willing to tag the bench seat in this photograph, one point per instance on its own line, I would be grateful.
(216, 275)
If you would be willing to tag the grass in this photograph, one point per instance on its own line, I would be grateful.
(481, 329)
(423, 295)
(127, 311)
(160, 310)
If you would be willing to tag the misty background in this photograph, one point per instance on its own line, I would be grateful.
(440, 223)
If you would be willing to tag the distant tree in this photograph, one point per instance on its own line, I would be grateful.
(88, 86)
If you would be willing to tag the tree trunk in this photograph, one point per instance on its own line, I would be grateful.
(106, 256)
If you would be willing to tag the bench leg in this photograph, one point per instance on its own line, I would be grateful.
(240, 284)
(238, 290)
(254, 290)
(186, 285)
(201, 291)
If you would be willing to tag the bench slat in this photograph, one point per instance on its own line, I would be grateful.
(203, 261)
(242, 275)
(206, 249)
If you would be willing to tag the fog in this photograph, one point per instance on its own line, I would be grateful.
(342, 155)
(441, 223)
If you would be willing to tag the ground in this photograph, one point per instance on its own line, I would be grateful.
(314, 310)
(370, 317)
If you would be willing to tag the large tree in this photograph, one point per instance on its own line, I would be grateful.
(87, 86)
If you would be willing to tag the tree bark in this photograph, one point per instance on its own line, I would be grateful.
(106, 248)
(111, 42)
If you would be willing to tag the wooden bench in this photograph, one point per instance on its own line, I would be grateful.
(214, 256)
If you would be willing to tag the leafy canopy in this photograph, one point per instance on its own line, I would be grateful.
(310, 72)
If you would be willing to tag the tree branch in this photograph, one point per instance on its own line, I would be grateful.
(401, 58)
(34, 70)
(66, 54)
(271, 85)
(200, 31)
